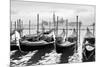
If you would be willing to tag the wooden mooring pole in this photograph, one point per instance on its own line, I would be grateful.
(11, 31)
(57, 27)
(54, 32)
(66, 28)
(10, 26)
(42, 27)
(49, 25)
(29, 27)
(22, 28)
(15, 25)
(37, 23)
(15, 30)
(77, 33)
(54, 21)
(78, 26)
(93, 28)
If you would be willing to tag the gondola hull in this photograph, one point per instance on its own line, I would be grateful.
(68, 45)
(29, 46)
(13, 45)
(89, 53)
(62, 49)
(66, 51)
(88, 56)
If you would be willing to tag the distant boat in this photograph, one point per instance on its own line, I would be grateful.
(69, 44)
(89, 46)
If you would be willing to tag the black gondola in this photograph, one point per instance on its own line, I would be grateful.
(67, 47)
(13, 45)
(89, 47)
(36, 42)
(27, 42)
(68, 44)
(13, 40)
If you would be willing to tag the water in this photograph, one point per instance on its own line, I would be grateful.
(39, 57)
(35, 57)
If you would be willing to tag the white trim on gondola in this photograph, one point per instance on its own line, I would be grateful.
(89, 48)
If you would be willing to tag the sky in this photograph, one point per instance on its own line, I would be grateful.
(28, 10)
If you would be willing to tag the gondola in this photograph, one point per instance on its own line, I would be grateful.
(28, 46)
(14, 40)
(13, 45)
(36, 42)
(88, 47)
(68, 44)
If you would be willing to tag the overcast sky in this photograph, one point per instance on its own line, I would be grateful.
(28, 11)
